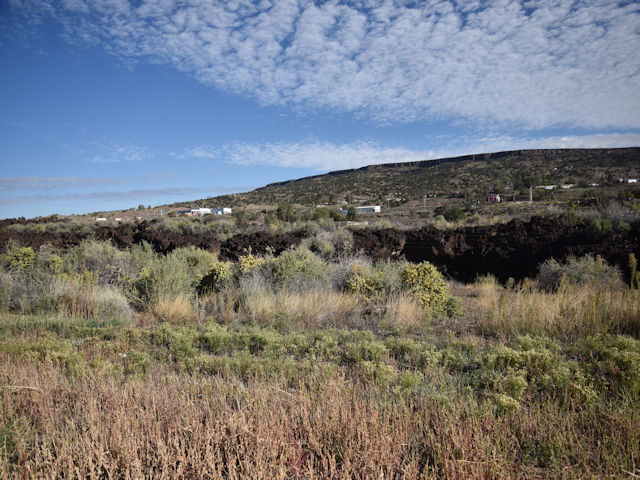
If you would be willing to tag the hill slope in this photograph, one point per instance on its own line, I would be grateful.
(500, 172)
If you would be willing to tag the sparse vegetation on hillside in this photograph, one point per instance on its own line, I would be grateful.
(469, 178)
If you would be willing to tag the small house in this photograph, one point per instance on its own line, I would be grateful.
(494, 197)
(368, 209)
(222, 211)
(200, 211)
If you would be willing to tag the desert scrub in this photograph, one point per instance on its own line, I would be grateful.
(177, 273)
(365, 283)
(374, 284)
(299, 268)
(112, 265)
(613, 361)
(585, 270)
(17, 257)
(427, 284)
(248, 264)
(320, 245)
(218, 276)
(537, 366)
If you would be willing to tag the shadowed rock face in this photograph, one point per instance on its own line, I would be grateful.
(514, 249)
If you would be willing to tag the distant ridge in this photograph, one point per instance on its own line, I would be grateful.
(538, 154)
(473, 176)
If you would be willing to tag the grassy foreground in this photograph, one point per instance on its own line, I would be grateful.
(270, 369)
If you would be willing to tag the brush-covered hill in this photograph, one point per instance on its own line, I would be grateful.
(501, 172)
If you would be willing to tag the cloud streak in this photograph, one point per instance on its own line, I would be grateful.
(136, 194)
(49, 183)
(533, 63)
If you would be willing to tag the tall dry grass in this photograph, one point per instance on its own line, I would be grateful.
(402, 311)
(571, 311)
(312, 309)
(176, 309)
(170, 425)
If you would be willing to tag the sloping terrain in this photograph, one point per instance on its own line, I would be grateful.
(480, 174)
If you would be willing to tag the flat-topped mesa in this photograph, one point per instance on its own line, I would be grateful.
(534, 154)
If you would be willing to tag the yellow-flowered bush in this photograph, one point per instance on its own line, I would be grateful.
(249, 263)
(427, 284)
(218, 276)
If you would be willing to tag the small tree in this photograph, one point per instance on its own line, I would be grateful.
(287, 213)
(453, 214)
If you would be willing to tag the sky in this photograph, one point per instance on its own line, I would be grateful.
(109, 104)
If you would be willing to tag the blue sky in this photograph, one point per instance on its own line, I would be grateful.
(107, 104)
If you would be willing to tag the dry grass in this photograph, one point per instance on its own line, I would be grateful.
(176, 309)
(313, 309)
(570, 312)
(176, 426)
(403, 311)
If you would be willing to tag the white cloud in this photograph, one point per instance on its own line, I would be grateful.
(109, 152)
(143, 194)
(326, 156)
(47, 183)
(536, 63)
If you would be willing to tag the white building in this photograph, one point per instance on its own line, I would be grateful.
(222, 211)
(632, 180)
(368, 209)
(363, 209)
(200, 211)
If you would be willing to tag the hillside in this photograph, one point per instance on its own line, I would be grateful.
(502, 172)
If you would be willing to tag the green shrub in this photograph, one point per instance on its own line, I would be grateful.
(613, 361)
(178, 273)
(217, 278)
(17, 257)
(299, 267)
(585, 270)
(249, 263)
(599, 228)
(367, 350)
(505, 405)
(365, 283)
(427, 284)
(6, 290)
(111, 302)
(453, 214)
(374, 284)
(112, 265)
(322, 246)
